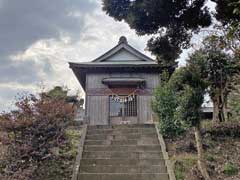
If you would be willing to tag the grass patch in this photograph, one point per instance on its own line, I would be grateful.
(230, 169)
(179, 170)
(206, 124)
(183, 163)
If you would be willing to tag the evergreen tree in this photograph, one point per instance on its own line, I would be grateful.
(184, 93)
(218, 69)
(170, 22)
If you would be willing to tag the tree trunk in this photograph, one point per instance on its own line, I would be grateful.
(201, 161)
(225, 104)
(215, 111)
(225, 111)
(219, 108)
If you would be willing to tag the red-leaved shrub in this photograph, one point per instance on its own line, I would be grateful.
(32, 131)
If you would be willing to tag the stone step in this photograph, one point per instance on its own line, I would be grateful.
(121, 154)
(123, 169)
(135, 148)
(125, 136)
(140, 141)
(123, 126)
(123, 176)
(121, 131)
(123, 162)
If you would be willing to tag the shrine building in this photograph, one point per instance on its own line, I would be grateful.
(119, 86)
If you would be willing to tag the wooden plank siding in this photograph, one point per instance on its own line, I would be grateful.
(97, 105)
(98, 110)
(145, 112)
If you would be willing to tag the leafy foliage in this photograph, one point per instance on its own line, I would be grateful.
(228, 34)
(165, 104)
(178, 101)
(234, 99)
(230, 169)
(57, 92)
(171, 22)
(217, 69)
(236, 6)
(188, 92)
(61, 165)
(226, 11)
(226, 129)
(191, 89)
(33, 131)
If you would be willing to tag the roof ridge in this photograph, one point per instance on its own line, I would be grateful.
(123, 44)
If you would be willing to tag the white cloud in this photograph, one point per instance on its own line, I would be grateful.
(101, 34)
(40, 40)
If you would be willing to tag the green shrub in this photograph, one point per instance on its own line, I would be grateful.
(230, 169)
(224, 129)
(164, 105)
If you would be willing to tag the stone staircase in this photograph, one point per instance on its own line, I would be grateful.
(122, 152)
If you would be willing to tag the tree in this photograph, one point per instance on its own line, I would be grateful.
(236, 6)
(170, 22)
(217, 68)
(190, 89)
(57, 92)
(190, 110)
(227, 39)
(173, 22)
(228, 13)
(179, 100)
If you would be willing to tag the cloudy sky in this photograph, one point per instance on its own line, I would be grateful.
(38, 38)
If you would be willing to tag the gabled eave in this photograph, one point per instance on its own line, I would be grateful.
(81, 69)
(123, 45)
(104, 64)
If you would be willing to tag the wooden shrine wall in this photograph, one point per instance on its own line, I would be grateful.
(97, 97)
